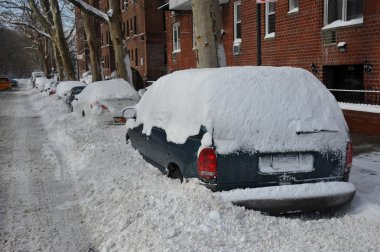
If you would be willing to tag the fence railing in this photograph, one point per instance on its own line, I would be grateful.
(357, 96)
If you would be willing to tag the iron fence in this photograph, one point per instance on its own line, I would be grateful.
(357, 96)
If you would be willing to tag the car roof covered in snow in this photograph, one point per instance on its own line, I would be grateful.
(110, 89)
(65, 87)
(244, 108)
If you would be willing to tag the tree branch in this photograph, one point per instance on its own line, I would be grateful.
(85, 7)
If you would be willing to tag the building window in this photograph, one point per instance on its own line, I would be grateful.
(176, 37)
(137, 57)
(270, 19)
(237, 21)
(343, 10)
(127, 28)
(293, 6)
(135, 25)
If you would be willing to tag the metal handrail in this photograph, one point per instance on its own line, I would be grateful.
(371, 97)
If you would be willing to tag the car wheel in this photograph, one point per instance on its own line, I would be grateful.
(174, 172)
(83, 114)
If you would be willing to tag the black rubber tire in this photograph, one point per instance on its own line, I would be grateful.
(83, 114)
(174, 172)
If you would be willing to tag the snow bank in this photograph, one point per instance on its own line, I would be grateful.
(128, 205)
(246, 108)
(64, 87)
(110, 89)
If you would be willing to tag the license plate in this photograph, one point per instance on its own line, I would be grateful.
(292, 163)
(120, 119)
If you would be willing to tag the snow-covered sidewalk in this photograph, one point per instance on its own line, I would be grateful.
(130, 206)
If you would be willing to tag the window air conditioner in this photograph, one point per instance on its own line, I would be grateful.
(236, 49)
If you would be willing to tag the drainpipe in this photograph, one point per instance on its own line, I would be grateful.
(258, 34)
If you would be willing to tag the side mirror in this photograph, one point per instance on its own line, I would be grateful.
(129, 113)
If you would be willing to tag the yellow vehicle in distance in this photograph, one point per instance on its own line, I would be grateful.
(5, 83)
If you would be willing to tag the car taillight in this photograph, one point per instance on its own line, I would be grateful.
(103, 106)
(207, 166)
(349, 154)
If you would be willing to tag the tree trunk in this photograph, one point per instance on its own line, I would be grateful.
(93, 45)
(114, 25)
(207, 26)
(60, 40)
(58, 62)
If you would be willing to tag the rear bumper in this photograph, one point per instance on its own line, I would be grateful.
(293, 198)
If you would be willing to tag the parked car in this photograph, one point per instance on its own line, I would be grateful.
(247, 127)
(5, 83)
(41, 82)
(53, 88)
(35, 75)
(63, 89)
(14, 83)
(71, 96)
(103, 101)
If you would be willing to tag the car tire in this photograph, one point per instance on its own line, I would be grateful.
(174, 172)
(83, 114)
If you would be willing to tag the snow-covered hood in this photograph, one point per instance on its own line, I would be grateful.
(245, 108)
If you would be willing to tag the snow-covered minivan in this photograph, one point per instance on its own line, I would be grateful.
(248, 127)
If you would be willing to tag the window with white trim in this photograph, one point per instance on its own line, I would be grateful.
(293, 6)
(270, 19)
(344, 10)
(237, 21)
(176, 37)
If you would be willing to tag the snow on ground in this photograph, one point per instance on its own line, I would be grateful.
(130, 206)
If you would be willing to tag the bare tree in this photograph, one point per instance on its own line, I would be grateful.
(208, 33)
(113, 20)
(93, 44)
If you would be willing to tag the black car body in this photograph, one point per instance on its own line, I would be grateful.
(200, 155)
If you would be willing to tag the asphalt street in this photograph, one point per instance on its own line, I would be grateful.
(38, 199)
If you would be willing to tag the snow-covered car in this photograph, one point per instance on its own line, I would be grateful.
(240, 128)
(63, 89)
(53, 87)
(41, 82)
(35, 75)
(104, 101)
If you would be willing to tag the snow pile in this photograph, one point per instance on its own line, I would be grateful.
(86, 77)
(128, 205)
(246, 108)
(64, 87)
(111, 89)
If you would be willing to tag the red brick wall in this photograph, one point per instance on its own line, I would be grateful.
(362, 122)
(298, 40)
(186, 58)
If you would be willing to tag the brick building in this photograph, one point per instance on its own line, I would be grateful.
(144, 32)
(339, 41)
